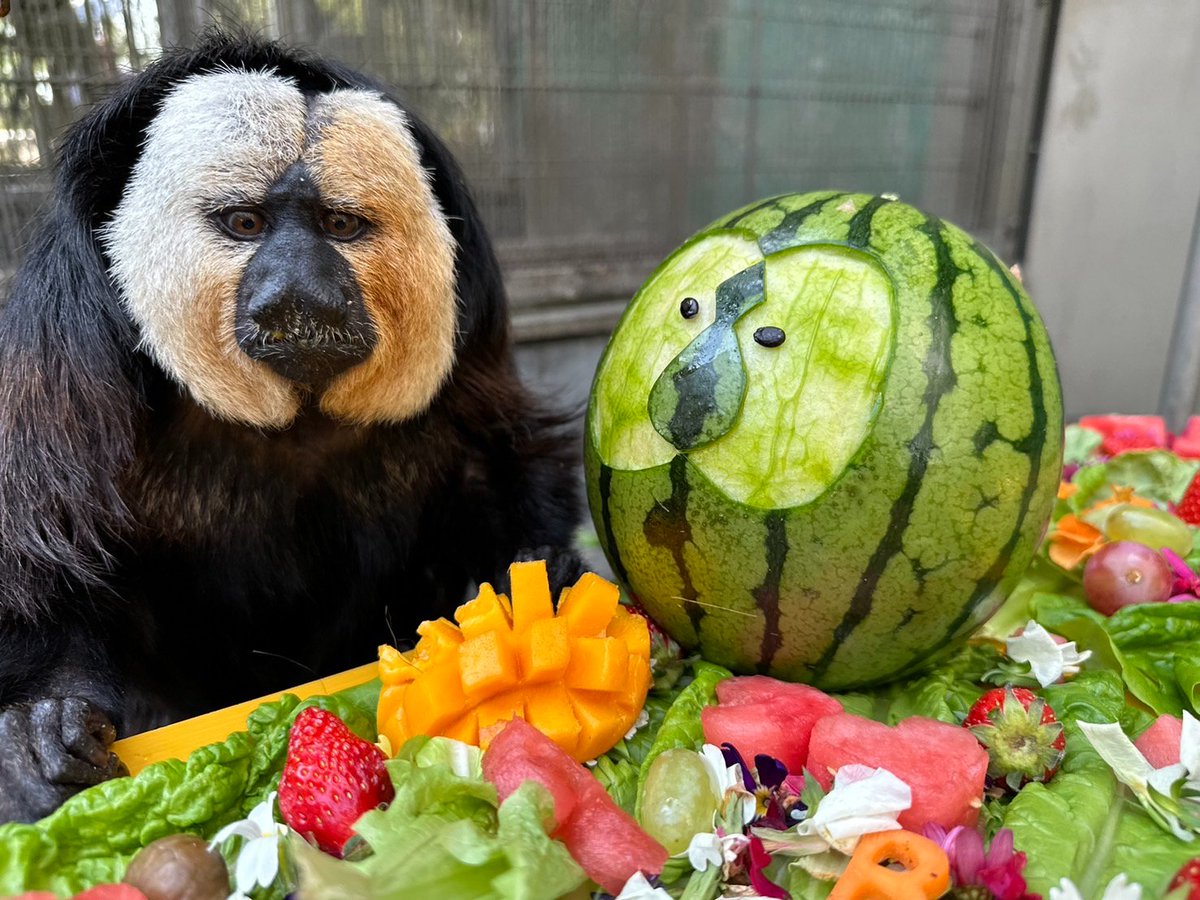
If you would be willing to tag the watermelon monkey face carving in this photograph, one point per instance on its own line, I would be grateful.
(824, 438)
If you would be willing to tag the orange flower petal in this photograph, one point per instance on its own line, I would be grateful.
(1073, 541)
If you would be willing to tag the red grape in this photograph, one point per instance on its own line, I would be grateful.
(1124, 573)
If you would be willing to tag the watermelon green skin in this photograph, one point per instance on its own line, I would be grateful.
(887, 471)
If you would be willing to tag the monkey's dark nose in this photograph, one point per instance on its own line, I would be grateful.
(307, 336)
(299, 307)
(291, 310)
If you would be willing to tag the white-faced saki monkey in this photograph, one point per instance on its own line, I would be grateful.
(258, 406)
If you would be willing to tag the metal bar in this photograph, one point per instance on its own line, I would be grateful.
(1182, 376)
(1025, 212)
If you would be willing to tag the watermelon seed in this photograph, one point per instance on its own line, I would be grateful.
(769, 336)
(689, 307)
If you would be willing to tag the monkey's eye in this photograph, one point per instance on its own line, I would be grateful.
(242, 223)
(342, 226)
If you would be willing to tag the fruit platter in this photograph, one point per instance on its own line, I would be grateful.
(878, 626)
(1051, 755)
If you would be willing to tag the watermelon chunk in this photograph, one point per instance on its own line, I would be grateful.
(605, 840)
(943, 764)
(1160, 742)
(758, 714)
(1123, 433)
(1187, 443)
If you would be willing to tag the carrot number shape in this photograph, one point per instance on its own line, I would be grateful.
(924, 872)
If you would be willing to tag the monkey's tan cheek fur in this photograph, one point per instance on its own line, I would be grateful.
(366, 160)
(217, 136)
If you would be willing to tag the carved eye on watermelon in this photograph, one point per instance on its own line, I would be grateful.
(698, 396)
(579, 675)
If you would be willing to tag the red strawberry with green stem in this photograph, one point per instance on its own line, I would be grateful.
(1186, 881)
(1021, 734)
(330, 778)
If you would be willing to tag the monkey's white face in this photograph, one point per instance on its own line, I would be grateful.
(271, 245)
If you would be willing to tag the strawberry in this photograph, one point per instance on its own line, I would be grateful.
(1021, 734)
(330, 778)
(1187, 879)
(1189, 507)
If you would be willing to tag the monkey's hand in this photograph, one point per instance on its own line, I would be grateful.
(51, 749)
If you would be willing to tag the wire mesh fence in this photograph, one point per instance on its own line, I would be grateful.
(599, 133)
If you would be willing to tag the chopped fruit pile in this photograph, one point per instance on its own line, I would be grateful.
(579, 674)
(725, 786)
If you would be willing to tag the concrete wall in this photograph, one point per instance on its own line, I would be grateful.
(1116, 195)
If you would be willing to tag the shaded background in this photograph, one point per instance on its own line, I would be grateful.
(598, 135)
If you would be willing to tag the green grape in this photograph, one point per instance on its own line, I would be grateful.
(1145, 525)
(677, 799)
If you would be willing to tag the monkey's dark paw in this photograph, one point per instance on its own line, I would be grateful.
(564, 565)
(49, 750)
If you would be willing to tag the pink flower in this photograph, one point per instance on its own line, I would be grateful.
(759, 860)
(1186, 585)
(998, 870)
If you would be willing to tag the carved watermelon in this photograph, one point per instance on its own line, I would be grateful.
(824, 439)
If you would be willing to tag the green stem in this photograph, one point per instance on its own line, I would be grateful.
(1089, 881)
(703, 885)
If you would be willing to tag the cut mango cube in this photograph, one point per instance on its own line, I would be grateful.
(395, 667)
(483, 614)
(631, 628)
(530, 594)
(433, 700)
(590, 605)
(487, 664)
(597, 664)
(548, 709)
(546, 651)
(579, 674)
(594, 710)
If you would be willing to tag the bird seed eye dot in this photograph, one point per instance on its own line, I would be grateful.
(688, 307)
(769, 336)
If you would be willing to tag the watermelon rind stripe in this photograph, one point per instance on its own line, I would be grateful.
(610, 540)
(940, 380)
(766, 595)
(667, 526)
(859, 232)
(783, 235)
(1031, 446)
(776, 203)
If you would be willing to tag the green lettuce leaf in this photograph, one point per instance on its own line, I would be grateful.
(445, 836)
(1155, 646)
(1161, 641)
(945, 693)
(1083, 824)
(1080, 445)
(1157, 475)
(91, 838)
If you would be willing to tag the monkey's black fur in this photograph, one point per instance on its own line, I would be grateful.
(156, 562)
